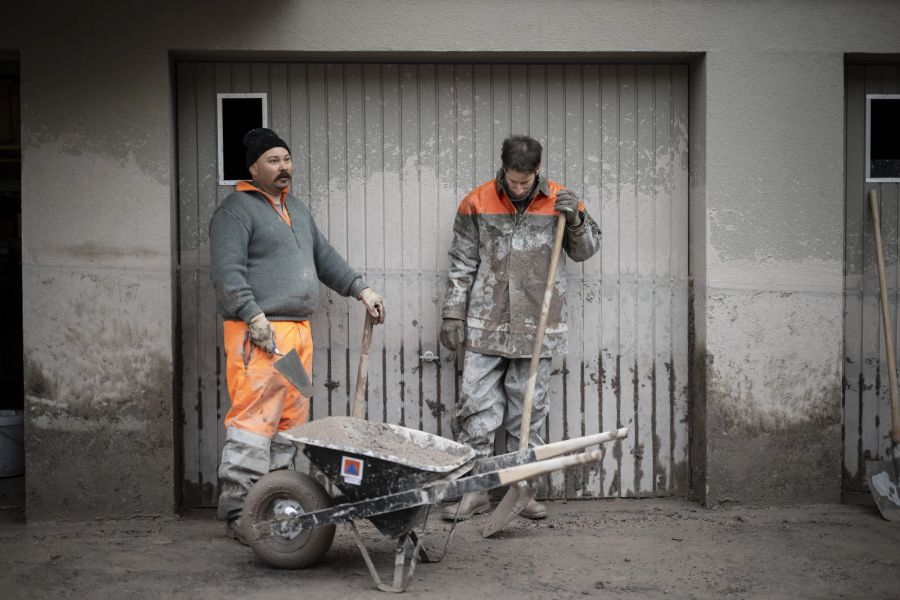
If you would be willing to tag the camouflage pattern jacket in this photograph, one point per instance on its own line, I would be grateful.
(498, 269)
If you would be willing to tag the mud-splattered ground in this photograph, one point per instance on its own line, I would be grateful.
(602, 549)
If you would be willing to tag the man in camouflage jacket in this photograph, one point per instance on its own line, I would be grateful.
(503, 239)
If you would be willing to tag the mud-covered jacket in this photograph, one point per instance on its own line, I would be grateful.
(498, 269)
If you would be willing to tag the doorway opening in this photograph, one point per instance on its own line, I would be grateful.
(12, 397)
(11, 378)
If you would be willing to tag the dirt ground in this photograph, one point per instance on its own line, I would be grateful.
(594, 549)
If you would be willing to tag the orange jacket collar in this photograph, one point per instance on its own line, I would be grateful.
(247, 186)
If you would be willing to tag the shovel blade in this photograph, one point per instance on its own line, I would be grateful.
(290, 366)
(884, 484)
(514, 502)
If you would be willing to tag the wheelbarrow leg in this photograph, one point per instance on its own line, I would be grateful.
(422, 554)
(417, 541)
(401, 578)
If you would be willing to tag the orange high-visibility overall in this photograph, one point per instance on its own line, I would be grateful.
(262, 400)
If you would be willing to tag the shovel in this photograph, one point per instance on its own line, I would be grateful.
(362, 373)
(289, 365)
(519, 495)
(291, 368)
(884, 475)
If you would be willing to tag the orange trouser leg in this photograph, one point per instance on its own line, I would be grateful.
(262, 400)
(263, 403)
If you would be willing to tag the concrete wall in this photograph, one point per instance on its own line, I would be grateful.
(767, 222)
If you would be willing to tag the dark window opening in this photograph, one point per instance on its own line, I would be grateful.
(884, 138)
(238, 116)
(12, 377)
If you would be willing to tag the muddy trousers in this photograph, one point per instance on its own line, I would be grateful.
(263, 403)
(246, 457)
(491, 396)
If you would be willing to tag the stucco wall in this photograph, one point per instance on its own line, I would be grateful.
(767, 173)
(774, 181)
(96, 213)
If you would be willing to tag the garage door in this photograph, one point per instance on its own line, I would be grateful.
(383, 153)
(873, 163)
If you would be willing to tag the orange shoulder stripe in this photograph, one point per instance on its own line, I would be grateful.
(484, 200)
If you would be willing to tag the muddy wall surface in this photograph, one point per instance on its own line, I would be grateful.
(96, 273)
(773, 257)
(766, 222)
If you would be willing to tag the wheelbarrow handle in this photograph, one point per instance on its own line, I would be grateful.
(554, 449)
(532, 470)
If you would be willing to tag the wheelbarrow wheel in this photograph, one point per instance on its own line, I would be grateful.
(285, 493)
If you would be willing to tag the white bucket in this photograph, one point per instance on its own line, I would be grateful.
(12, 443)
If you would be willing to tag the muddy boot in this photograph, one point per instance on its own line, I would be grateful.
(534, 510)
(470, 505)
(234, 529)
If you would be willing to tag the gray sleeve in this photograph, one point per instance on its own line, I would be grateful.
(332, 269)
(583, 241)
(228, 241)
(464, 261)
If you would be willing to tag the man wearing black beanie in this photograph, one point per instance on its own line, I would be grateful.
(267, 256)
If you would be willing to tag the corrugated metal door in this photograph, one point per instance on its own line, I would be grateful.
(867, 413)
(384, 152)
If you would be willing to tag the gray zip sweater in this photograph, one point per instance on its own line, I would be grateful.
(260, 264)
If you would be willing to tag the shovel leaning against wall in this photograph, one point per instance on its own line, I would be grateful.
(884, 475)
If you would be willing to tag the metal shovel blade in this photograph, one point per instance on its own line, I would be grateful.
(290, 366)
(514, 502)
(884, 484)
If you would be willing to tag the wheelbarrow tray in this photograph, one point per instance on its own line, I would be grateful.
(365, 459)
(411, 448)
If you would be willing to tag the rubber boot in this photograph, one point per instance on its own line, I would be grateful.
(534, 510)
(234, 529)
(471, 504)
(245, 458)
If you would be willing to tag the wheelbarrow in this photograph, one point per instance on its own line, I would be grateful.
(390, 475)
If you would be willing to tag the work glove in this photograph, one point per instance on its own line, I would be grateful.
(567, 202)
(374, 303)
(453, 333)
(262, 334)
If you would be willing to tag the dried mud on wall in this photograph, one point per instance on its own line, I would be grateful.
(98, 396)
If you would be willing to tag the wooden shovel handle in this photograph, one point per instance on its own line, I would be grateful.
(362, 373)
(886, 320)
(524, 433)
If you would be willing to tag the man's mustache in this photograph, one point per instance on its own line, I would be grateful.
(283, 175)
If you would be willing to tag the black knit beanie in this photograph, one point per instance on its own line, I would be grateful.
(261, 140)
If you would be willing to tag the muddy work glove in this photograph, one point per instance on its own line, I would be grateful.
(567, 202)
(262, 334)
(374, 304)
(453, 333)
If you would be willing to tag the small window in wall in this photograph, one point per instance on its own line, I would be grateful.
(882, 137)
(237, 114)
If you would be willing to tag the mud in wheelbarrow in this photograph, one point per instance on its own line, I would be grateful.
(389, 475)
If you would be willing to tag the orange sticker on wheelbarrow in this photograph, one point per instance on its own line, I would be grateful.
(352, 470)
